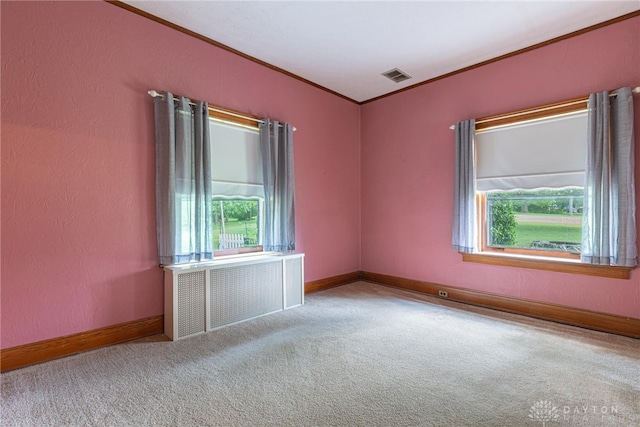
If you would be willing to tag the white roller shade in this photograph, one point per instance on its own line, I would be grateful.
(235, 161)
(542, 153)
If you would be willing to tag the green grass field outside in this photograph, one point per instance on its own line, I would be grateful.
(527, 232)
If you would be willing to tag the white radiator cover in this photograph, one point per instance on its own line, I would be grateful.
(202, 297)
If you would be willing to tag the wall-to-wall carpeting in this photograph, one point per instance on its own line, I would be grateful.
(356, 355)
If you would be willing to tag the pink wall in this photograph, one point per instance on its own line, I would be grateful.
(78, 216)
(78, 221)
(407, 166)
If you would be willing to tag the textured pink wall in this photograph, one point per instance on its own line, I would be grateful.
(78, 221)
(78, 216)
(407, 166)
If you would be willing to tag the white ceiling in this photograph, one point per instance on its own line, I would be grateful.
(346, 45)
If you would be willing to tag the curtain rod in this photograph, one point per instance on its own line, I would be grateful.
(154, 94)
(568, 103)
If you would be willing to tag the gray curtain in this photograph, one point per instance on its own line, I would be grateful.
(276, 145)
(464, 192)
(609, 228)
(183, 180)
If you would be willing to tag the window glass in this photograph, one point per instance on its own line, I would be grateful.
(237, 223)
(541, 220)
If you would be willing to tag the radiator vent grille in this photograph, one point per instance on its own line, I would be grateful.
(191, 303)
(294, 285)
(201, 298)
(242, 292)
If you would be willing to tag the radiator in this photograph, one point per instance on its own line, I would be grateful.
(202, 297)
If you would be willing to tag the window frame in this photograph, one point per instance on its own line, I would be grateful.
(533, 259)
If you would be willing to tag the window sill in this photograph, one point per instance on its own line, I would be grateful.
(549, 264)
(221, 258)
(231, 259)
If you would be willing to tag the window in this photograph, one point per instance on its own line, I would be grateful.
(206, 157)
(563, 161)
(529, 178)
(237, 189)
(541, 158)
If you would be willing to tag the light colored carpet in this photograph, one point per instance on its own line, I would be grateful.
(357, 355)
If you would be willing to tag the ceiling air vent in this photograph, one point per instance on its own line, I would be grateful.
(396, 75)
